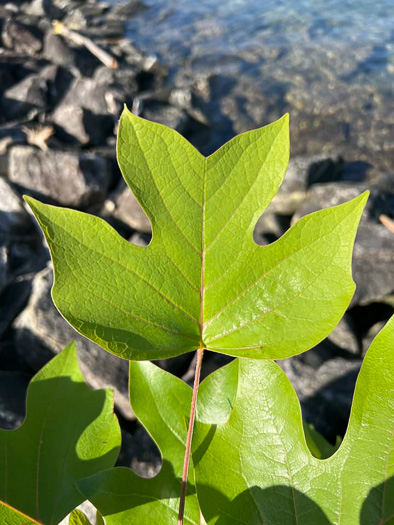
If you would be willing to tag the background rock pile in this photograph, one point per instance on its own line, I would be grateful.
(59, 108)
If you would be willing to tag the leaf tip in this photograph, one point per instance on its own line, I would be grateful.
(34, 205)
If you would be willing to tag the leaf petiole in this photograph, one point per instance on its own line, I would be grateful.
(200, 353)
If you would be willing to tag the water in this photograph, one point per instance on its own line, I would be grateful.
(329, 63)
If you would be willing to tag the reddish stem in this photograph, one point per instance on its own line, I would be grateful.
(189, 437)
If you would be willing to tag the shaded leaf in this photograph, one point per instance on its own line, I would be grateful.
(267, 473)
(202, 281)
(317, 444)
(69, 432)
(77, 517)
(162, 403)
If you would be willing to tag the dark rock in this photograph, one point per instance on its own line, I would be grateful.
(128, 9)
(22, 38)
(87, 113)
(270, 227)
(381, 200)
(309, 174)
(13, 216)
(123, 206)
(140, 239)
(27, 253)
(139, 452)
(85, 15)
(3, 164)
(9, 358)
(25, 97)
(11, 134)
(41, 333)
(293, 190)
(66, 177)
(3, 266)
(373, 263)
(111, 29)
(60, 52)
(170, 116)
(371, 334)
(16, 67)
(322, 196)
(325, 392)
(12, 407)
(122, 80)
(89, 94)
(59, 80)
(12, 300)
(7, 77)
(44, 8)
(345, 336)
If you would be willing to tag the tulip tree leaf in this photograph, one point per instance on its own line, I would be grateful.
(202, 281)
(216, 399)
(256, 468)
(161, 402)
(70, 432)
(77, 517)
(11, 516)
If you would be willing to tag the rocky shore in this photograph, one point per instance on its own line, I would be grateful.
(59, 107)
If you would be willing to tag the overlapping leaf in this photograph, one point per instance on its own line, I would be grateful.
(256, 468)
(162, 403)
(70, 432)
(202, 281)
(11, 516)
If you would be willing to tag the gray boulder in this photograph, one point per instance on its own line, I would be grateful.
(373, 263)
(325, 391)
(13, 216)
(22, 38)
(123, 206)
(41, 332)
(87, 113)
(29, 95)
(70, 178)
(3, 267)
(58, 51)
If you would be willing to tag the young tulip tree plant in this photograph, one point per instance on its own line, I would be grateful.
(203, 284)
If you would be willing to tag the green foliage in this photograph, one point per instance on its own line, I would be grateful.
(70, 432)
(202, 281)
(11, 516)
(162, 403)
(77, 517)
(256, 467)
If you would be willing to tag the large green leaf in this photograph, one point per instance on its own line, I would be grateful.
(70, 432)
(11, 516)
(216, 399)
(256, 467)
(162, 403)
(202, 281)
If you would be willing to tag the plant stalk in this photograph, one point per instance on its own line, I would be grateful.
(200, 353)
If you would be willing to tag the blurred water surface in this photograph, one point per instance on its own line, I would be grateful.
(330, 63)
